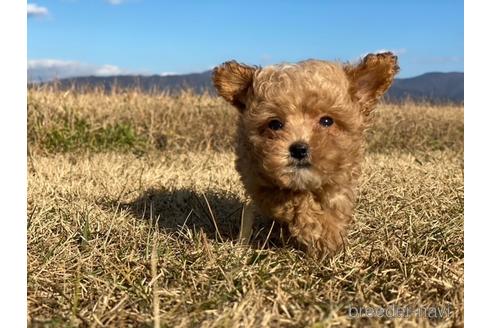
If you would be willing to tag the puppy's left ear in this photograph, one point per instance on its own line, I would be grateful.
(232, 81)
(371, 78)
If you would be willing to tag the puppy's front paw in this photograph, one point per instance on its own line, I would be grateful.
(327, 245)
(321, 236)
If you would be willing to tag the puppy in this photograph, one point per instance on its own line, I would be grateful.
(300, 139)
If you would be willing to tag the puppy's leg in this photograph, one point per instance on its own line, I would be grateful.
(247, 218)
(332, 238)
(321, 232)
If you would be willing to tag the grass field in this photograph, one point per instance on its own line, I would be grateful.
(124, 191)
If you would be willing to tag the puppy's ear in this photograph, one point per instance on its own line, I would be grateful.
(370, 78)
(232, 81)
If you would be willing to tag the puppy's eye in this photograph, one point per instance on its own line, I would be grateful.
(275, 125)
(326, 121)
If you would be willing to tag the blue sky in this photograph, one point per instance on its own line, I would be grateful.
(70, 37)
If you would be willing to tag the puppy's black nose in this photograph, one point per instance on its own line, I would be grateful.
(299, 150)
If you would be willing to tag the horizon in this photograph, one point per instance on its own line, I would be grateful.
(34, 81)
(70, 38)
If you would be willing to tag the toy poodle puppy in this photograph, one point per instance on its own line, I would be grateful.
(300, 139)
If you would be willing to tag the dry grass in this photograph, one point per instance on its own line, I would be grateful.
(97, 258)
(136, 121)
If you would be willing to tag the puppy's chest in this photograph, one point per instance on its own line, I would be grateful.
(286, 206)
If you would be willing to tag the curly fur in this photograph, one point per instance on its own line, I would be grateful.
(315, 202)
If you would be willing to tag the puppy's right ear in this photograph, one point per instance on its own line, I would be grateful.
(232, 81)
(371, 78)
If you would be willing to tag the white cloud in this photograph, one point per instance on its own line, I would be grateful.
(168, 73)
(397, 52)
(109, 70)
(35, 10)
(49, 69)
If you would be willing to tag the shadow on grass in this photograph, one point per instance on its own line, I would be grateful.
(217, 215)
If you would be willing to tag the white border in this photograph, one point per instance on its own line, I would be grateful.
(478, 139)
(13, 20)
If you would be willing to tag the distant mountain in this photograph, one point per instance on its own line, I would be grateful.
(433, 87)
(198, 82)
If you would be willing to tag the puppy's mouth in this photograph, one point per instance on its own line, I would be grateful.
(302, 175)
(302, 164)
